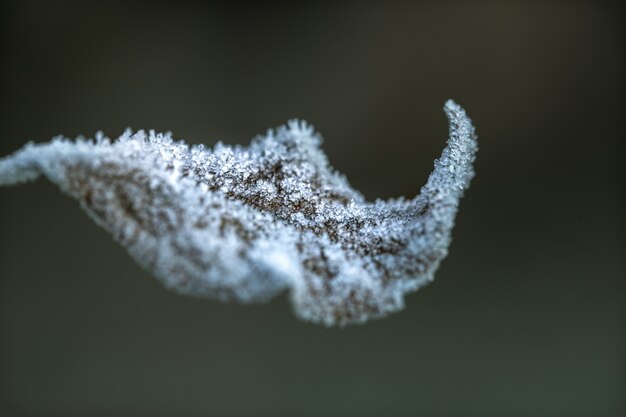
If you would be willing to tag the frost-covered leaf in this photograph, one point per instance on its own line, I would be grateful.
(246, 224)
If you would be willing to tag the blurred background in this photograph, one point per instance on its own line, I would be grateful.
(525, 317)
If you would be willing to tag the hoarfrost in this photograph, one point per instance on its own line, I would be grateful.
(246, 224)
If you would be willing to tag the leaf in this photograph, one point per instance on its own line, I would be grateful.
(246, 224)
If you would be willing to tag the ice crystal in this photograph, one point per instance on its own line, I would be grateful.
(246, 224)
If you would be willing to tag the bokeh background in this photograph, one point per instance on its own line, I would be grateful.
(525, 317)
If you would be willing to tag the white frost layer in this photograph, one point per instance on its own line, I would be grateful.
(245, 224)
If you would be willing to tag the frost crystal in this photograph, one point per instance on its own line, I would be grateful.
(246, 224)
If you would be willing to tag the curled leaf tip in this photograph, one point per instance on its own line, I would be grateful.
(245, 224)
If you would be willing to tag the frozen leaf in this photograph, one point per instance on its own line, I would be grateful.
(246, 224)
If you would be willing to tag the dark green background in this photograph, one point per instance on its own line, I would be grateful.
(526, 316)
